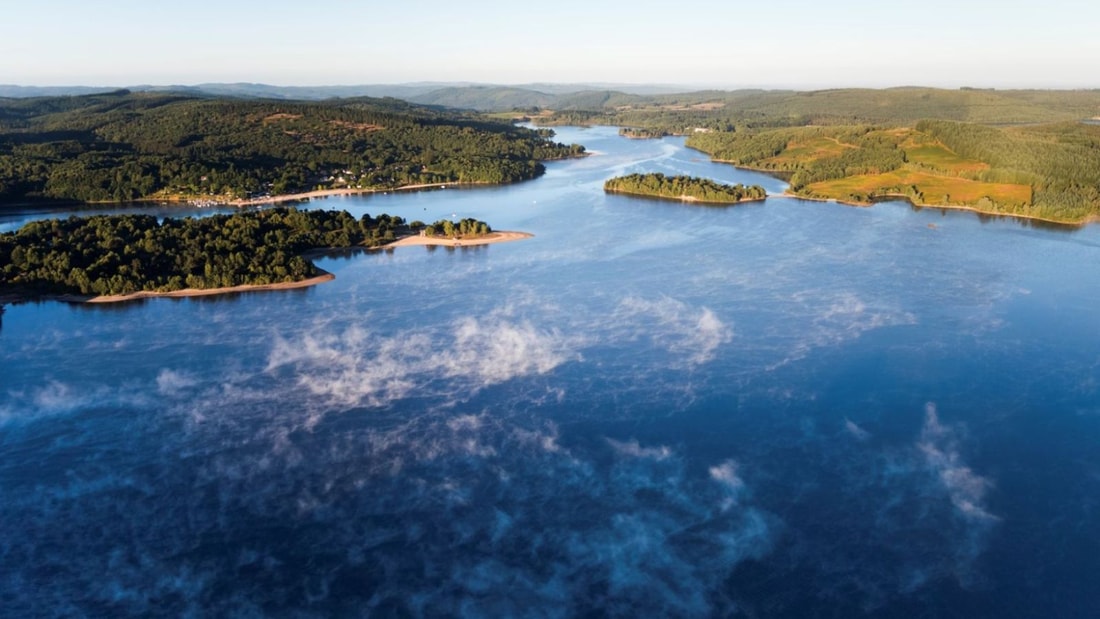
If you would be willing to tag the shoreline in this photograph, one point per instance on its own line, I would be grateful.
(215, 201)
(685, 198)
(346, 191)
(186, 293)
(323, 277)
(787, 194)
(784, 176)
(501, 236)
(1091, 219)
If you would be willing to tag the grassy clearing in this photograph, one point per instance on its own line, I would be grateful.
(923, 188)
(814, 149)
(518, 115)
(933, 174)
(1051, 172)
(939, 158)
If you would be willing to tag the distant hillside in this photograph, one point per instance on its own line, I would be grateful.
(408, 91)
(486, 98)
(633, 89)
(911, 104)
(239, 89)
(1047, 171)
(123, 146)
(598, 100)
(628, 104)
(307, 93)
(506, 98)
(679, 113)
(12, 91)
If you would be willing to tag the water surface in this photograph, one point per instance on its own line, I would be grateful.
(784, 408)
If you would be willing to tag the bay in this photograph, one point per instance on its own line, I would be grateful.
(784, 408)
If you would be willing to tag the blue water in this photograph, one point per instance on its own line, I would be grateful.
(648, 409)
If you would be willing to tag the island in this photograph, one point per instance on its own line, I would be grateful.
(499, 236)
(640, 133)
(683, 188)
(121, 257)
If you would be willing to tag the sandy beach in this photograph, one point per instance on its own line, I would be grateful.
(502, 236)
(202, 292)
(325, 193)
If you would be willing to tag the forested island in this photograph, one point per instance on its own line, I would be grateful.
(683, 188)
(125, 146)
(126, 254)
(636, 133)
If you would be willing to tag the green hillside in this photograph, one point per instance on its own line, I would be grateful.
(680, 113)
(124, 146)
(1049, 171)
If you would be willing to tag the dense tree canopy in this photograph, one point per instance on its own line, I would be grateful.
(1061, 162)
(466, 227)
(124, 146)
(640, 133)
(122, 254)
(658, 185)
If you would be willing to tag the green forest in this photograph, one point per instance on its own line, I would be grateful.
(464, 228)
(860, 150)
(1060, 161)
(687, 188)
(126, 146)
(1049, 171)
(685, 113)
(122, 254)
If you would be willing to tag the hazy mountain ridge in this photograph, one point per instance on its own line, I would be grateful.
(967, 104)
(401, 91)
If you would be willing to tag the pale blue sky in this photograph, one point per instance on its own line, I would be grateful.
(724, 43)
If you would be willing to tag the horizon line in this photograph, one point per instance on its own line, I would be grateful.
(689, 87)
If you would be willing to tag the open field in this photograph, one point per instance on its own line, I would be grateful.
(940, 158)
(813, 149)
(925, 150)
(922, 187)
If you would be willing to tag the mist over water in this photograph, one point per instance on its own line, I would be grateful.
(648, 409)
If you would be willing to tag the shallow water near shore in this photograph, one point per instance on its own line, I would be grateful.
(784, 408)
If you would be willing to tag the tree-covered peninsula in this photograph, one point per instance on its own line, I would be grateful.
(685, 188)
(124, 254)
(125, 146)
(1049, 172)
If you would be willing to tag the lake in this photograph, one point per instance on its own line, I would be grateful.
(785, 408)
